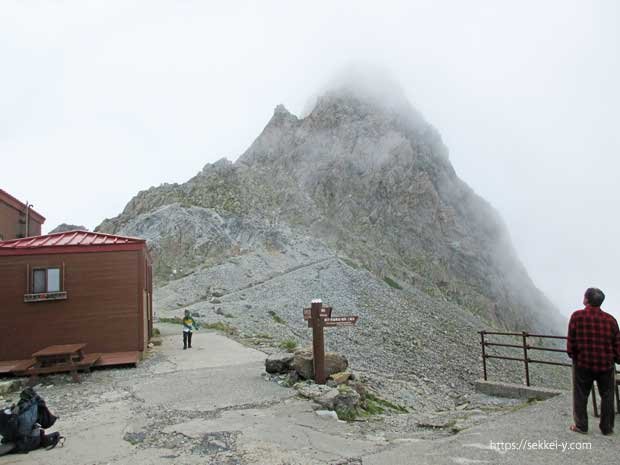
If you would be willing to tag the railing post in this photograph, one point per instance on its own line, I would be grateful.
(525, 359)
(484, 355)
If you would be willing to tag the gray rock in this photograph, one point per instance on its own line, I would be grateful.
(293, 377)
(303, 363)
(347, 398)
(329, 414)
(329, 397)
(315, 391)
(278, 363)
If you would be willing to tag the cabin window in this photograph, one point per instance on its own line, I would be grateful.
(45, 280)
(53, 279)
(38, 281)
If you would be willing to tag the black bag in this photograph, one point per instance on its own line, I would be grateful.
(9, 422)
(45, 418)
(23, 423)
(30, 441)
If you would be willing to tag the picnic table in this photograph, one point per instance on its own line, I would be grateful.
(59, 359)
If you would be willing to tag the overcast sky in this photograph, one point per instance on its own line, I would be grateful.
(101, 100)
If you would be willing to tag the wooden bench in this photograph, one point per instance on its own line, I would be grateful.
(60, 359)
(85, 364)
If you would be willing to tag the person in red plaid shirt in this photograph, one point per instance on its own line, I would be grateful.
(593, 344)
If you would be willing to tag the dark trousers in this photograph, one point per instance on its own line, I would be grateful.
(187, 339)
(582, 385)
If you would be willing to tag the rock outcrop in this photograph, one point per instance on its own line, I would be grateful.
(303, 363)
(64, 227)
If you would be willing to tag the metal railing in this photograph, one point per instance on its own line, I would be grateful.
(523, 346)
(526, 348)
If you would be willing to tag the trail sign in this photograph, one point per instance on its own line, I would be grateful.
(319, 317)
(335, 321)
(340, 321)
(325, 312)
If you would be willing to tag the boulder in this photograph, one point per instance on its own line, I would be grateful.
(329, 400)
(303, 363)
(217, 293)
(341, 377)
(330, 414)
(342, 397)
(293, 377)
(315, 391)
(347, 398)
(278, 363)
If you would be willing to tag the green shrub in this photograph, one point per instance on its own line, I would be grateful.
(385, 403)
(277, 318)
(221, 326)
(347, 414)
(373, 408)
(288, 344)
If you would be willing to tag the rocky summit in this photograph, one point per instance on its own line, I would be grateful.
(356, 203)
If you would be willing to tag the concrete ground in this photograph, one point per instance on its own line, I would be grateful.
(212, 405)
(537, 434)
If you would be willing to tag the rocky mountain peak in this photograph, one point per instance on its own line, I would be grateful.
(282, 117)
(364, 174)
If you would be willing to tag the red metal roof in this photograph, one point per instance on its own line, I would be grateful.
(70, 242)
(13, 202)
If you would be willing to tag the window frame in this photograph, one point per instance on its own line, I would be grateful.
(46, 274)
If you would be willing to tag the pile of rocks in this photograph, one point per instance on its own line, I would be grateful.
(300, 365)
(342, 392)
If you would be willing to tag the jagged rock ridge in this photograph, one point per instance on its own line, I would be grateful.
(372, 183)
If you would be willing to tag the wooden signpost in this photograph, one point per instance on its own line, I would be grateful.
(319, 317)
